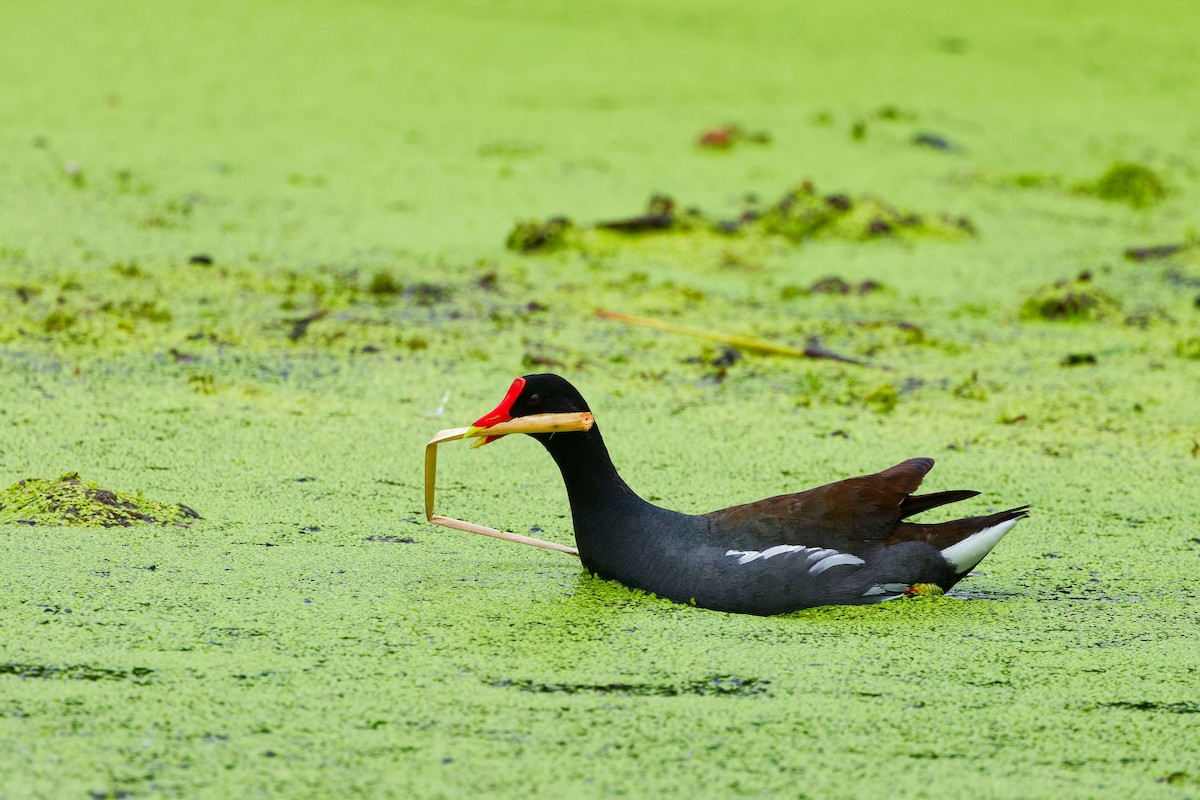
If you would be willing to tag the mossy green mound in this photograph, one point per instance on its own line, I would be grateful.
(801, 215)
(1124, 182)
(1070, 301)
(1136, 185)
(1188, 348)
(67, 500)
(531, 236)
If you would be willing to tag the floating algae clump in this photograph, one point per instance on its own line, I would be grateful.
(69, 501)
(1188, 348)
(533, 236)
(1139, 186)
(1070, 301)
(803, 214)
(1123, 182)
(800, 215)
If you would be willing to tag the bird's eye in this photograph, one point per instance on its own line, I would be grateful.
(534, 400)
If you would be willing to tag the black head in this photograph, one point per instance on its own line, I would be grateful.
(544, 393)
(552, 411)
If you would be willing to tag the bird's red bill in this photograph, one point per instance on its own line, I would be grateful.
(502, 412)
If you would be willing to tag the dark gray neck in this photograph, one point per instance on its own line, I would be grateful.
(603, 507)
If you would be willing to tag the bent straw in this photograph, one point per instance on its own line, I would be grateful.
(537, 423)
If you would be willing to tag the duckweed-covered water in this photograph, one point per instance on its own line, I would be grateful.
(252, 257)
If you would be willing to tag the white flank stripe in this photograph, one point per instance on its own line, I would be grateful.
(781, 548)
(970, 551)
(834, 561)
(746, 556)
(819, 559)
(819, 554)
(884, 588)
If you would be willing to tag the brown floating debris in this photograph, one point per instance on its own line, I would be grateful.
(1153, 252)
(813, 350)
(837, 285)
(531, 360)
(725, 137)
(179, 355)
(659, 216)
(934, 141)
(300, 326)
(488, 281)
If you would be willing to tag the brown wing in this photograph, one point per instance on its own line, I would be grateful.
(853, 515)
(916, 503)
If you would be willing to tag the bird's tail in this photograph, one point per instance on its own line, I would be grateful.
(963, 542)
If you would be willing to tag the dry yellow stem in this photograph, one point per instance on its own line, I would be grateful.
(537, 423)
(745, 342)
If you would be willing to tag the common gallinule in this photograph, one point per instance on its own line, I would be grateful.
(843, 543)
